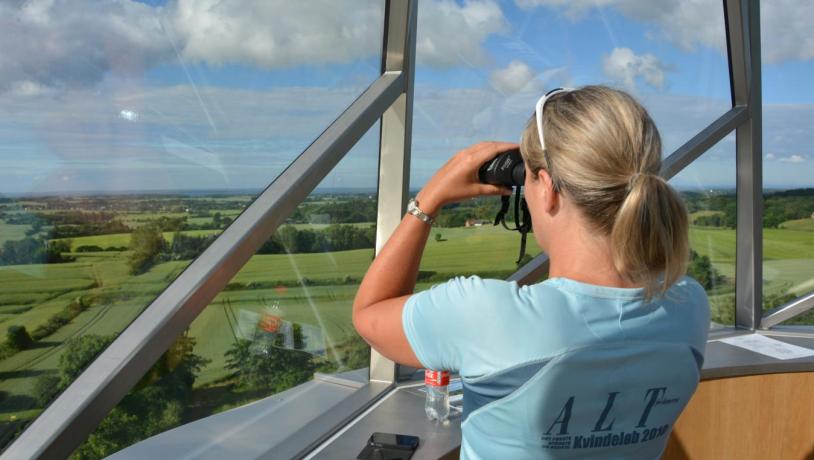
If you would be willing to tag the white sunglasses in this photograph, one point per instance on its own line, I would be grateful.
(538, 111)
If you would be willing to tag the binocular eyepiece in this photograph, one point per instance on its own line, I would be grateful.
(505, 169)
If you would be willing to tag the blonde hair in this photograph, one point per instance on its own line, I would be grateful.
(605, 155)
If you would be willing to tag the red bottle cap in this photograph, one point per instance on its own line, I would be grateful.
(436, 378)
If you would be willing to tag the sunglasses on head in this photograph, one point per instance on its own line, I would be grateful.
(538, 114)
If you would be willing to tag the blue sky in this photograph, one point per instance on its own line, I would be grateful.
(200, 95)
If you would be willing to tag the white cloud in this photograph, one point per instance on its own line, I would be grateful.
(625, 66)
(513, 78)
(46, 44)
(450, 34)
(787, 33)
(518, 81)
(793, 159)
(771, 156)
(277, 33)
(74, 44)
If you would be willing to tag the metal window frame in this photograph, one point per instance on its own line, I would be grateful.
(743, 46)
(787, 311)
(395, 141)
(72, 417)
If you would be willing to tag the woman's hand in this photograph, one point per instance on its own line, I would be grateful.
(458, 179)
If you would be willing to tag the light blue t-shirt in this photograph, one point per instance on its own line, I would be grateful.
(563, 369)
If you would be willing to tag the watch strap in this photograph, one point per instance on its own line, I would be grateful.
(412, 208)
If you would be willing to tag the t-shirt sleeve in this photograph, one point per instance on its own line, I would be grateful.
(446, 323)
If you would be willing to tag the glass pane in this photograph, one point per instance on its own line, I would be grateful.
(283, 317)
(129, 145)
(708, 188)
(481, 82)
(788, 165)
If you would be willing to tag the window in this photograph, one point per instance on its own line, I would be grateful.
(130, 145)
(482, 66)
(708, 188)
(788, 162)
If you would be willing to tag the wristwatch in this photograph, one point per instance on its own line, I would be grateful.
(412, 208)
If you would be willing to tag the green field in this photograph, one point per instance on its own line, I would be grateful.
(10, 232)
(123, 239)
(31, 294)
(799, 224)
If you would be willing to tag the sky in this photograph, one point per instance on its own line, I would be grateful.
(121, 95)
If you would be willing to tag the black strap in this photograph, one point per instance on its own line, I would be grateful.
(504, 208)
(523, 226)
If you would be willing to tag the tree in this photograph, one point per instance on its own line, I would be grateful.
(147, 243)
(703, 271)
(18, 337)
(79, 352)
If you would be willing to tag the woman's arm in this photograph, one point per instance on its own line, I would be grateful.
(391, 278)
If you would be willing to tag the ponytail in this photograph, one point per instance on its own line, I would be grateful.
(649, 235)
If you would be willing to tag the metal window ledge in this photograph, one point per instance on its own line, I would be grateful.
(279, 426)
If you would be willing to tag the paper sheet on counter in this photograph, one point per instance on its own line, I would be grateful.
(767, 346)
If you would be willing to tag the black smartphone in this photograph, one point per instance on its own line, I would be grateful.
(393, 441)
(384, 453)
(389, 446)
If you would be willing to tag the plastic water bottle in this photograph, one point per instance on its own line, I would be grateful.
(437, 403)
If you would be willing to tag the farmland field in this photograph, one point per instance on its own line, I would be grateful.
(314, 290)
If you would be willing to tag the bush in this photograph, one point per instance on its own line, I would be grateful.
(46, 387)
(88, 248)
(18, 337)
(79, 352)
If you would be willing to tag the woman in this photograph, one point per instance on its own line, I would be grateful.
(598, 360)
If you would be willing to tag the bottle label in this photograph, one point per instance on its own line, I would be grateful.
(436, 378)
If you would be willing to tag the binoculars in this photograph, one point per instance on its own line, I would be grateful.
(505, 169)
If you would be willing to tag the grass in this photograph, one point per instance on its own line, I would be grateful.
(11, 232)
(799, 224)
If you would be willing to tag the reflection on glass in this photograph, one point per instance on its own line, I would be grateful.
(788, 164)
(283, 317)
(708, 189)
(126, 148)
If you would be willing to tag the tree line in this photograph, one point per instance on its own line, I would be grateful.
(149, 247)
(778, 207)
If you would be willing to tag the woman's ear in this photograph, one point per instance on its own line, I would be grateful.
(549, 197)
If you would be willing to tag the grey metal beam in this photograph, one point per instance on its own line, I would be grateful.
(532, 272)
(394, 142)
(787, 311)
(745, 47)
(737, 40)
(82, 406)
(703, 141)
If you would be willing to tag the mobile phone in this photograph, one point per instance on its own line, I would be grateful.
(384, 453)
(393, 441)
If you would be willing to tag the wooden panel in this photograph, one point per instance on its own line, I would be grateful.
(762, 417)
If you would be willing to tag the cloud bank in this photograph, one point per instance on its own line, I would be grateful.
(57, 45)
(786, 24)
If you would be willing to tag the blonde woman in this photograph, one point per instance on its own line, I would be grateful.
(598, 360)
